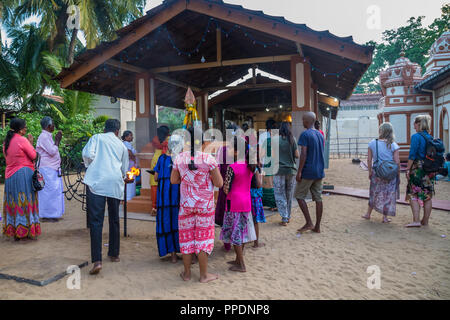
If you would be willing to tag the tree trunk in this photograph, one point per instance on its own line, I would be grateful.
(73, 40)
(59, 37)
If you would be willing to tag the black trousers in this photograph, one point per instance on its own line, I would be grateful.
(96, 215)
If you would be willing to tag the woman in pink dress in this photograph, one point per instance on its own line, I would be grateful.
(238, 227)
(197, 173)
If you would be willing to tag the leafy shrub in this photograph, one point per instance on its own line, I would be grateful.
(73, 129)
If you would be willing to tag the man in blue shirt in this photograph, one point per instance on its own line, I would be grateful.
(310, 171)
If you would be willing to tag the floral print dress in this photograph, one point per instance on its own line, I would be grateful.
(420, 184)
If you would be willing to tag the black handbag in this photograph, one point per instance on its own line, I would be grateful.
(38, 179)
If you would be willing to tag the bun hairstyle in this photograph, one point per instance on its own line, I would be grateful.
(193, 132)
(251, 167)
(125, 134)
(162, 133)
(16, 124)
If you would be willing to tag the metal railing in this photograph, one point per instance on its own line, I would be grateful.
(349, 147)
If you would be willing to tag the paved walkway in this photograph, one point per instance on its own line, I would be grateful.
(364, 194)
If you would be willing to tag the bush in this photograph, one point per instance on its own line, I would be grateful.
(73, 129)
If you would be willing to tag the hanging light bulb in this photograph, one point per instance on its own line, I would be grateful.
(220, 80)
(203, 60)
(267, 109)
(281, 106)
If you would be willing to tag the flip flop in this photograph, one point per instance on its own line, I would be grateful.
(412, 225)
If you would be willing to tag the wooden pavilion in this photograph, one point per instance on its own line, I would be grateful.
(206, 44)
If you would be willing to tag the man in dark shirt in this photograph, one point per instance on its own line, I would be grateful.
(310, 171)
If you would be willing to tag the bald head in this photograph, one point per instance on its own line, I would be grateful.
(308, 119)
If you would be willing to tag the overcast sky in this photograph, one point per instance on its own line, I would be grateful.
(363, 19)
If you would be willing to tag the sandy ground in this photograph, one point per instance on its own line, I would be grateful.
(414, 264)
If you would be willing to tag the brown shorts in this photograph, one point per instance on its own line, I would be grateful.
(304, 186)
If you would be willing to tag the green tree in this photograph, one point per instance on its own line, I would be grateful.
(6, 7)
(413, 38)
(27, 69)
(99, 19)
(171, 116)
(23, 76)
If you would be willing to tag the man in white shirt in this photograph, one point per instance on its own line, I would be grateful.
(106, 159)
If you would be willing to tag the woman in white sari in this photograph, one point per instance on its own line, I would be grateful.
(127, 138)
(51, 198)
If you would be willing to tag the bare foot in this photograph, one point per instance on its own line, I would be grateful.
(184, 277)
(209, 277)
(233, 262)
(238, 268)
(423, 223)
(174, 258)
(366, 216)
(306, 227)
(284, 224)
(258, 245)
(413, 225)
(316, 230)
(386, 220)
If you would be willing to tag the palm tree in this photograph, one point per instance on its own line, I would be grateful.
(27, 69)
(22, 71)
(6, 6)
(98, 20)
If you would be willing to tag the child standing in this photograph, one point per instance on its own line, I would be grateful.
(167, 204)
(257, 205)
(238, 227)
(198, 174)
(446, 166)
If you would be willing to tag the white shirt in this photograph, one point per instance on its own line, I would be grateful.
(106, 160)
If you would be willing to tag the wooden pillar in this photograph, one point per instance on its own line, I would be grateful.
(300, 92)
(145, 123)
(202, 109)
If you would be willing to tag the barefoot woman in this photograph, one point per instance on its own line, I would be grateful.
(420, 184)
(197, 173)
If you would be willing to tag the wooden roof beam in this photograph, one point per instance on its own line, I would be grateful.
(332, 102)
(141, 31)
(223, 63)
(160, 77)
(285, 31)
(250, 86)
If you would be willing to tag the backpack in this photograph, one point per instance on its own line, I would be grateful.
(386, 170)
(434, 158)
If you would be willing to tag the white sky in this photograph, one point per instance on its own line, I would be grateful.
(340, 17)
